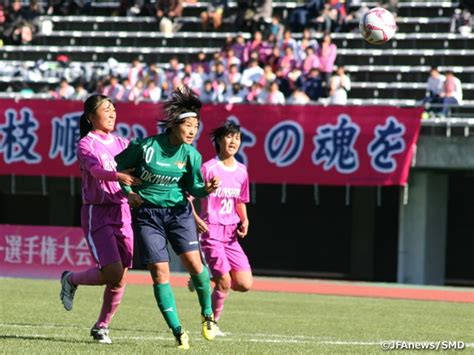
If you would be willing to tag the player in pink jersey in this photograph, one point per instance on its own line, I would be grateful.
(105, 214)
(224, 218)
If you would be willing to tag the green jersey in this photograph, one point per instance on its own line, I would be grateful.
(166, 170)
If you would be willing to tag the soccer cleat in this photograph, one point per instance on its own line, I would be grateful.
(191, 287)
(101, 335)
(182, 340)
(67, 291)
(209, 327)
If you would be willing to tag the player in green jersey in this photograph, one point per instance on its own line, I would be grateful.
(169, 167)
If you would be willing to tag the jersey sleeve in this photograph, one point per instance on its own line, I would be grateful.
(244, 191)
(193, 181)
(128, 159)
(90, 162)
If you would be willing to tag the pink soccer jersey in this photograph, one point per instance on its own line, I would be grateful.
(96, 153)
(220, 206)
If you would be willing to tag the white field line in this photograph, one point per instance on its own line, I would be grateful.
(236, 337)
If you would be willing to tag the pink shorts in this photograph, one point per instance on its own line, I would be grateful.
(222, 250)
(109, 233)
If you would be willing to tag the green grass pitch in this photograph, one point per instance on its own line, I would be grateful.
(33, 321)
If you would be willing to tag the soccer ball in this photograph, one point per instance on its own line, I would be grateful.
(377, 26)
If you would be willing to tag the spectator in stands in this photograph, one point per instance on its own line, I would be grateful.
(80, 93)
(273, 95)
(64, 90)
(262, 17)
(452, 93)
(166, 12)
(114, 90)
(301, 16)
(154, 73)
(434, 89)
(283, 82)
(211, 19)
(298, 98)
(230, 58)
(207, 93)
(254, 93)
(274, 59)
(268, 75)
(327, 54)
(310, 61)
(306, 41)
(312, 84)
(288, 61)
(236, 94)
(234, 76)
(276, 28)
(266, 48)
(287, 41)
(136, 71)
(239, 47)
(462, 19)
(339, 85)
(220, 91)
(331, 17)
(201, 60)
(152, 92)
(197, 77)
(252, 74)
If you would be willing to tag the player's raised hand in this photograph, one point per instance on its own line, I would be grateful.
(134, 199)
(213, 184)
(125, 177)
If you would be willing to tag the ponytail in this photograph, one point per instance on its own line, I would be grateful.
(85, 125)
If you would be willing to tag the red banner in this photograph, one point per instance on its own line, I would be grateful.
(335, 145)
(37, 251)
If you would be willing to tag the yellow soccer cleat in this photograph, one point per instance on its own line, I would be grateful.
(182, 340)
(209, 327)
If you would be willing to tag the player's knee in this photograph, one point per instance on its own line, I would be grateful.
(223, 285)
(242, 286)
(114, 277)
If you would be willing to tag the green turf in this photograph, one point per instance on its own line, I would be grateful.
(32, 321)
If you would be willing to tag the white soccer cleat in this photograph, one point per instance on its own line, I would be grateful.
(101, 335)
(67, 291)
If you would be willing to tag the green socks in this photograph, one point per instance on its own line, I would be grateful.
(202, 283)
(166, 303)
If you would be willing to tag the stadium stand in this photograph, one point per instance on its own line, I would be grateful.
(394, 73)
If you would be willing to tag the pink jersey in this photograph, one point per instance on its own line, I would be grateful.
(96, 153)
(220, 206)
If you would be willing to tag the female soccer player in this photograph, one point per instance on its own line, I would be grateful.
(224, 218)
(105, 213)
(169, 167)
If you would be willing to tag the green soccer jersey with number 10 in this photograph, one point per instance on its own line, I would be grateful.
(166, 170)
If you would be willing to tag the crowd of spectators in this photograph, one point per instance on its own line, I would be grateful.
(260, 70)
(18, 23)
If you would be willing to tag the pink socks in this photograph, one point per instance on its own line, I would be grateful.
(88, 277)
(112, 298)
(218, 299)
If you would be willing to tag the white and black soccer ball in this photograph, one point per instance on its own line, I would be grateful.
(377, 26)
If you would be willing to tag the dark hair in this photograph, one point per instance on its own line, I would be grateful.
(230, 127)
(180, 101)
(90, 107)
